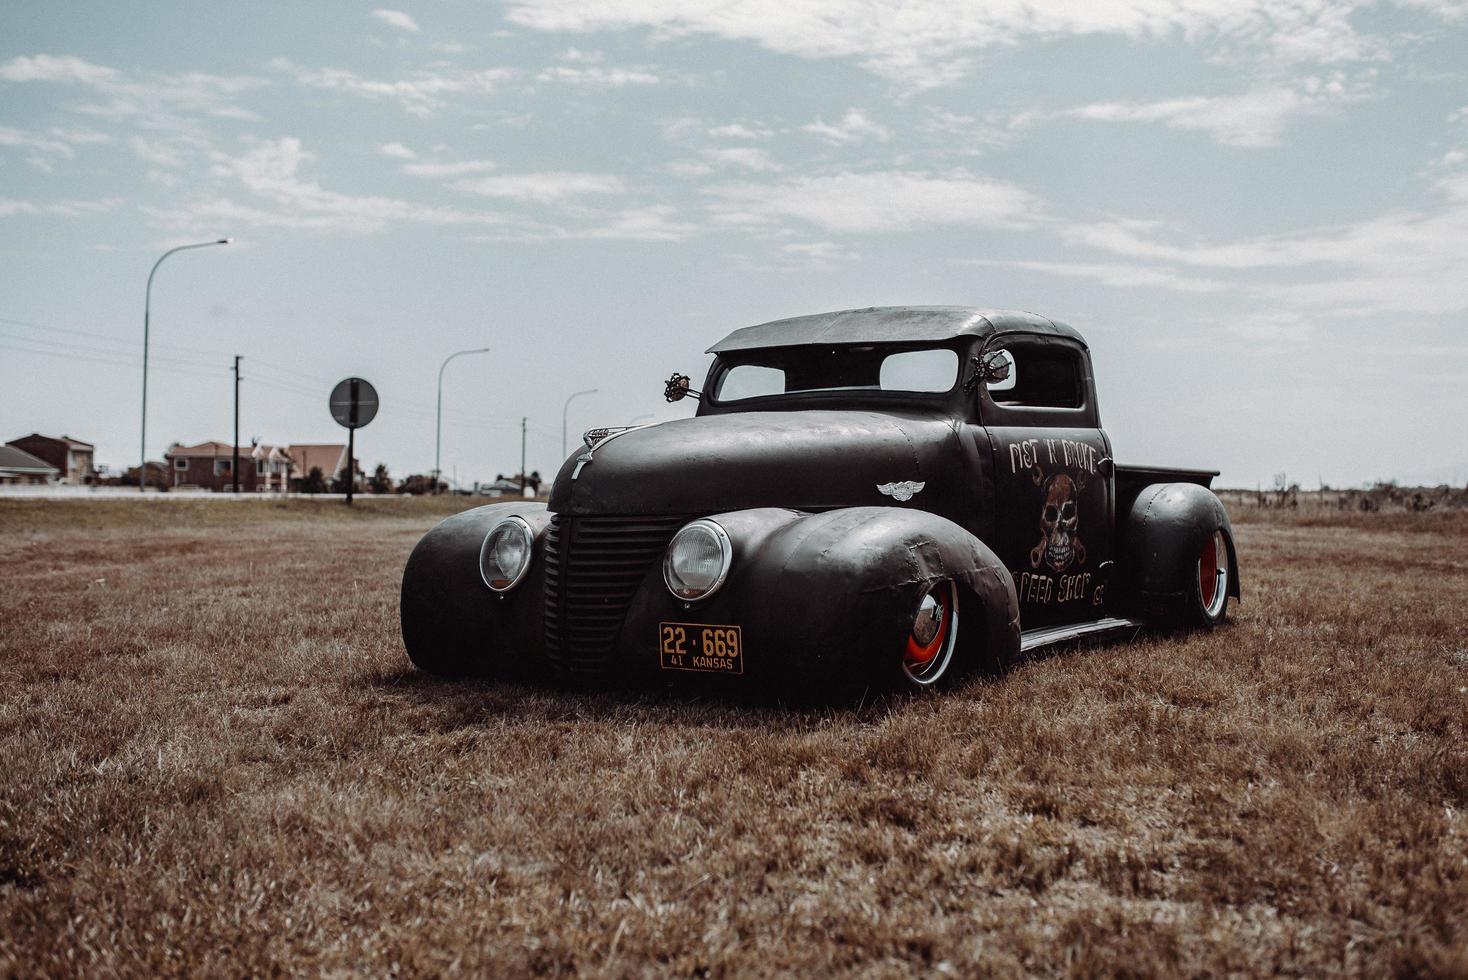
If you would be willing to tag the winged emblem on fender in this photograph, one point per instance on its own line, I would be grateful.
(900, 491)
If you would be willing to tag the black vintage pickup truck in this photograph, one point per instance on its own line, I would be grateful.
(889, 496)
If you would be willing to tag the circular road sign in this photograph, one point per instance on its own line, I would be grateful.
(353, 403)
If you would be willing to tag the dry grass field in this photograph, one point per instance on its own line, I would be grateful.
(214, 759)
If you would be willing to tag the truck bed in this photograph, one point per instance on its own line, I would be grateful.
(1132, 480)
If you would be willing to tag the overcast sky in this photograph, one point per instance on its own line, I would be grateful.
(1257, 212)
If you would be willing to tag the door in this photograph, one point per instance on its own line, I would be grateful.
(1052, 478)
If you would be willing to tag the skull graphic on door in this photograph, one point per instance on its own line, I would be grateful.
(1060, 544)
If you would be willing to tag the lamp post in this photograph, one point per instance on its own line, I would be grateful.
(147, 310)
(564, 408)
(438, 424)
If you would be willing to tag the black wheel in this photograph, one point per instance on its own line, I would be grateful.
(1208, 595)
(928, 655)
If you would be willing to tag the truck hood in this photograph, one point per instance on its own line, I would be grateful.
(809, 460)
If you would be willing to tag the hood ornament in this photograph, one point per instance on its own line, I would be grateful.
(594, 439)
(901, 491)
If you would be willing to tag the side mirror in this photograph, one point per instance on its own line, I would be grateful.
(996, 367)
(676, 389)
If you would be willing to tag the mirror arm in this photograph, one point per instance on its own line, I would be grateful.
(676, 389)
(977, 360)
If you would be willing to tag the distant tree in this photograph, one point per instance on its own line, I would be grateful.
(532, 480)
(418, 484)
(315, 481)
(380, 481)
(339, 482)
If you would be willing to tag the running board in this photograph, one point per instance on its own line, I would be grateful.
(1034, 639)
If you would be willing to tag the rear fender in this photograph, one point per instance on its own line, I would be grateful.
(1162, 536)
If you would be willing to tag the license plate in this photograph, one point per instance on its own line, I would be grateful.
(699, 646)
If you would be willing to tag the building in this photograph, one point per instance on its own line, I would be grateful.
(210, 466)
(500, 488)
(71, 457)
(18, 467)
(329, 458)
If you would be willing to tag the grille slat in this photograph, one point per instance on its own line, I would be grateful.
(593, 565)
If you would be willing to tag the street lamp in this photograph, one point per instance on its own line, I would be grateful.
(588, 391)
(438, 425)
(147, 306)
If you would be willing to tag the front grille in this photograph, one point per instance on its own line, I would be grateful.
(593, 565)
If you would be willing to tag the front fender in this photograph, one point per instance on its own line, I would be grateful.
(452, 623)
(826, 600)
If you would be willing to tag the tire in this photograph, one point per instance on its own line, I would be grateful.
(1207, 594)
(931, 665)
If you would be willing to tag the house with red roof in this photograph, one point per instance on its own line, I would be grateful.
(210, 466)
(329, 458)
(72, 458)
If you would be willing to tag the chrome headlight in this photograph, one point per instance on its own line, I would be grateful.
(504, 558)
(697, 561)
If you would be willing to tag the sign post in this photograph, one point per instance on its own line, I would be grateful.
(353, 404)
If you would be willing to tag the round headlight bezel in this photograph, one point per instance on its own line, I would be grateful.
(528, 537)
(726, 558)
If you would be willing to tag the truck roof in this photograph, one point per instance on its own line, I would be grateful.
(888, 324)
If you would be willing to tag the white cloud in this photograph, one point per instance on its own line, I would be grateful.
(935, 42)
(820, 253)
(547, 187)
(397, 151)
(878, 202)
(66, 209)
(46, 147)
(456, 168)
(739, 131)
(1253, 119)
(397, 19)
(273, 171)
(33, 141)
(743, 157)
(1406, 261)
(595, 76)
(157, 98)
(66, 69)
(651, 223)
(689, 169)
(853, 127)
(156, 152)
(1120, 275)
(422, 93)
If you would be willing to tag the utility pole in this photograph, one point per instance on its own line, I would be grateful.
(522, 456)
(235, 466)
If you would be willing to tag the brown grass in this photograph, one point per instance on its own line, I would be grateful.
(215, 760)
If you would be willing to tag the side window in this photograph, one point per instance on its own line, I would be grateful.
(751, 381)
(919, 370)
(1040, 377)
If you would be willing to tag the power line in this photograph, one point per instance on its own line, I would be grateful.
(70, 346)
(111, 362)
(112, 338)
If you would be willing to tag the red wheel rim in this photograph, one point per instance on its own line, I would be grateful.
(925, 663)
(919, 657)
(1213, 575)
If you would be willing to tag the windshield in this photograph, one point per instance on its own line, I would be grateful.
(792, 370)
